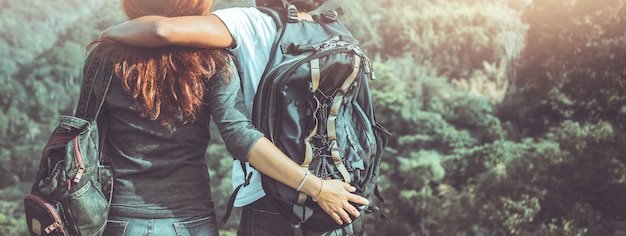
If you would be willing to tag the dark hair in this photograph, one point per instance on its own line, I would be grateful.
(302, 5)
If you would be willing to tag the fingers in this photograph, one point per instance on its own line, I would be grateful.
(336, 201)
(358, 199)
(353, 197)
(344, 216)
(352, 210)
(349, 187)
(336, 218)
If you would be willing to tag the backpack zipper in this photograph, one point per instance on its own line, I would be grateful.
(58, 140)
(79, 161)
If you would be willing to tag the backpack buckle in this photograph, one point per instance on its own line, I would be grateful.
(331, 16)
(292, 13)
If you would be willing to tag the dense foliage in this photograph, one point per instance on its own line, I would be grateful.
(507, 116)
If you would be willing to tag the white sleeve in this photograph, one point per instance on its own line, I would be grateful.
(253, 32)
(249, 27)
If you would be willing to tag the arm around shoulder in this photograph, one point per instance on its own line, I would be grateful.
(140, 32)
(156, 31)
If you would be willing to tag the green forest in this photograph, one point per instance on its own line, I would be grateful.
(508, 116)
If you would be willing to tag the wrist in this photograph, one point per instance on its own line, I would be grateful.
(312, 186)
(306, 175)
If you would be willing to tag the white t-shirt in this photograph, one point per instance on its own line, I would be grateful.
(254, 33)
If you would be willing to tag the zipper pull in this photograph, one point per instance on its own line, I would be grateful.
(79, 174)
(52, 227)
(79, 161)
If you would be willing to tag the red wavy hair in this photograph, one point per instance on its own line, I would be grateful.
(166, 81)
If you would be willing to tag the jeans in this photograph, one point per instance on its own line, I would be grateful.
(259, 219)
(120, 226)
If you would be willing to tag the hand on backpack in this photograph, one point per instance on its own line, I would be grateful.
(335, 197)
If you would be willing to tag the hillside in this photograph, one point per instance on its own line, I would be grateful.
(508, 116)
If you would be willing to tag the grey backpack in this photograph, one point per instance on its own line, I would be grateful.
(314, 103)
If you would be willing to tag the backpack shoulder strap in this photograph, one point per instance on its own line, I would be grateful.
(231, 200)
(97, 66)
(290, 14)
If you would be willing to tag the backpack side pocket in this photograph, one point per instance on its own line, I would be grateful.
(44, 217)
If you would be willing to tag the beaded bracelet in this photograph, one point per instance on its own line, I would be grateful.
(303, 180)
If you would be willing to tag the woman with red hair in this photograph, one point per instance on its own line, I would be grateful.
(158, 111)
